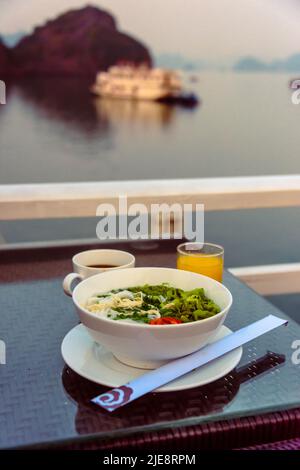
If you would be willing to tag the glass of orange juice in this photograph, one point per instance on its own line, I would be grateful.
(202, 258)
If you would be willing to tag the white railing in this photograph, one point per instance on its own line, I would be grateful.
(271, 279)
(36, 201)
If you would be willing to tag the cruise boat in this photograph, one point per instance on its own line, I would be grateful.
(139, 83)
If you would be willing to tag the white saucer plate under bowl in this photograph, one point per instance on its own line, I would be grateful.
(94, 362)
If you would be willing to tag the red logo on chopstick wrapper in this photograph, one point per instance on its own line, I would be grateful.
(114, 398)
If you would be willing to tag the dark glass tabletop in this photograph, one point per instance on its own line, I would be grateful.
(44, 402)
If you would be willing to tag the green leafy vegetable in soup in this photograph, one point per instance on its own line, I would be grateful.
(154, 304)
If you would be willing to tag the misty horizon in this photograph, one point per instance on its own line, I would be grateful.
(270, 33)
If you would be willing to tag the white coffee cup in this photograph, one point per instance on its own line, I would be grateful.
(84, 265)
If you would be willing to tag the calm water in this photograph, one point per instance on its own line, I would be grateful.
(54, 131)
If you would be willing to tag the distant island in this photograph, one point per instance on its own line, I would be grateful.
(10, 40)
(84, 41)
(4, 59)
(244, 64)
(178, 61)
(76, 43)
(252, 64)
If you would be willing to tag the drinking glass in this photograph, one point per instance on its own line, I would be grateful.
(202, 258)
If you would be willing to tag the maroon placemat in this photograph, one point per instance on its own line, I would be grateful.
(256, 432)
(292, 444)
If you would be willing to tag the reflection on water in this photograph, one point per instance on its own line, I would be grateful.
(141, 113)
(70, 101)
(66, 100)
(55, 130)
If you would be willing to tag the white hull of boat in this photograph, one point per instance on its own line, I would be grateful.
(141, 94)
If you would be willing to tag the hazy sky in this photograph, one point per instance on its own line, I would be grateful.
(217, 30)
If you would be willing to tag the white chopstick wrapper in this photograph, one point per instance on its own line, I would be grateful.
(148, 382)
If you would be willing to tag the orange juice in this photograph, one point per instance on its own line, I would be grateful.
(206, 259)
